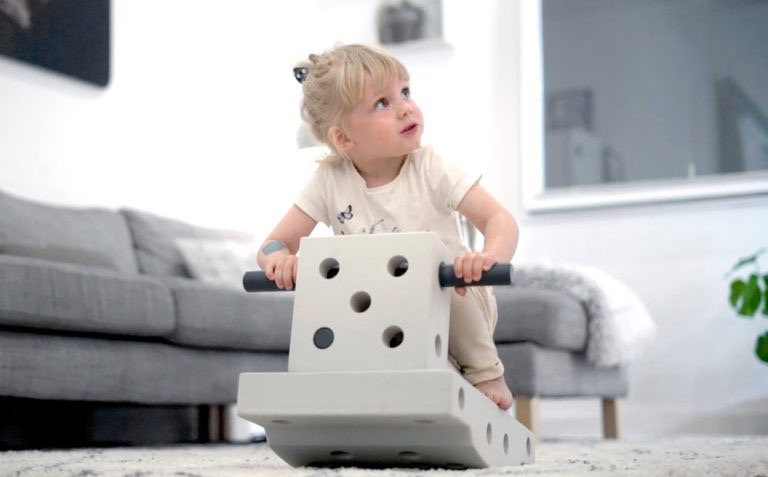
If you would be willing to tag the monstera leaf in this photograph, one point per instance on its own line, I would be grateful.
(747, 296)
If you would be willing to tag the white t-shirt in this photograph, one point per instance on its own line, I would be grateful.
(423, 197)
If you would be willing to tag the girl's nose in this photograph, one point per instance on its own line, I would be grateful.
(405, 108)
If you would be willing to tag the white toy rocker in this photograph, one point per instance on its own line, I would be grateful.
(369, 383)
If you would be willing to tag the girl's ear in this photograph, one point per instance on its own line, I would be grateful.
(340, 139)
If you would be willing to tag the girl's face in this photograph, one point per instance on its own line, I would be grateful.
(386, 124)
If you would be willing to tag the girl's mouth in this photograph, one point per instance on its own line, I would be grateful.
(410, 129)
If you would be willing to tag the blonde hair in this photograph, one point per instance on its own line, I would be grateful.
(333, 84)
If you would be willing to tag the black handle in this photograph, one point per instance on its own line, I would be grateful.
(499, 274)
(258, 282)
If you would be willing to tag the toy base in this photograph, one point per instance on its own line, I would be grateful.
(419, 418)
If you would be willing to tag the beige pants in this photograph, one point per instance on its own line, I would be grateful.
(470, 342)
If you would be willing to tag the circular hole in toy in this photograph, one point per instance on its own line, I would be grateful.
(280, 421)
(489, 433)
(528, 446)
(329, 268)
(461, 398)
(506, 444)
(323, 337)
(393, 337)
(360, 301)
(342, 455)
(438, 345)
(397, 266)
(409, 456)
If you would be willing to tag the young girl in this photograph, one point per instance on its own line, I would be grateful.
(379, 179)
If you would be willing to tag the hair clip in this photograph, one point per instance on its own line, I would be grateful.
(300, 73)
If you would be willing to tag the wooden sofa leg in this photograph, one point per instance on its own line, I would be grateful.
(223, 418)
(527, 412)
(212, 423)
(610, 418)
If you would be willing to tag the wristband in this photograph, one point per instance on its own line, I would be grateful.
(273, 246)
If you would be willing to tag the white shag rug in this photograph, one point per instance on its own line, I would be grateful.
(686, 456)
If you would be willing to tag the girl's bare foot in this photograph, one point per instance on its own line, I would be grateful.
(497, 391)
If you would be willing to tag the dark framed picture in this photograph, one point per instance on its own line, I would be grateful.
(71, 37)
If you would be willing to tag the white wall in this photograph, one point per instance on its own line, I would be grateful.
(675, 257)
(200, 123)
(200, 119)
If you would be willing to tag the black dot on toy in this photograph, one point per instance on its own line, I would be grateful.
(329, 268)
(397, 266)
(360, 301)
(323, 337)
(393, 336)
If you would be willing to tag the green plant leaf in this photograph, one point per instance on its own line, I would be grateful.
(737, 290)
(765, 296)
(761, 350)
(751, 297)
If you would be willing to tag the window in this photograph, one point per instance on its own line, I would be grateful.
(644, 100)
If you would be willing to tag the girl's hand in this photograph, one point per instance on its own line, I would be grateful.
(277, 256)
(281, 268)
(471, 266)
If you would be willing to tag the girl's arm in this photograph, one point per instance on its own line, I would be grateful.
(499, 231)
(277, 256)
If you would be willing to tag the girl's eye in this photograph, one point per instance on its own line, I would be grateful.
(406, 93)
(381, 104)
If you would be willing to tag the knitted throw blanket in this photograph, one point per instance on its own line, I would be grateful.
(619, 326)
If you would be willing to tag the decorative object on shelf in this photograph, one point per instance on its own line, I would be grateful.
(570, 109)
(409, 20)
(748, 296)
(70, 37)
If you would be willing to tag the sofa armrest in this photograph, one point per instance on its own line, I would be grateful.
(549, 318)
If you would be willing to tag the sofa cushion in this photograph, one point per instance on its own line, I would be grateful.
(78, 368)
(56, 253)
(546, 317)
(155, 239)
(40, 294)
(220, 317)
(86, 236)
(218, 262)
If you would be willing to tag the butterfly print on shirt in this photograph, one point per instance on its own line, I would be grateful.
(345, 214)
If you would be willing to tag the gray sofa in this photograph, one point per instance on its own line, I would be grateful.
(99, 306)
(106, 311)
